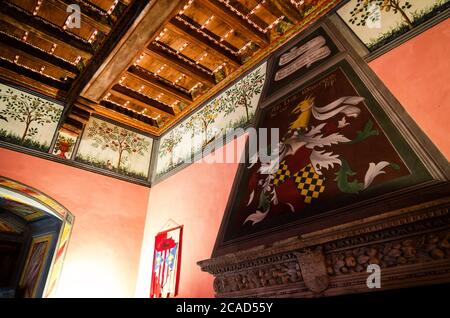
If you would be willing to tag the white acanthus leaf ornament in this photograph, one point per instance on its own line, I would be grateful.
(322, 159)
(250, 200)
(373, 171)
(313, 138)
(257, 217)
(343, 122)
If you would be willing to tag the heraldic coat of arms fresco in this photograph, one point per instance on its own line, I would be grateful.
(333, 151)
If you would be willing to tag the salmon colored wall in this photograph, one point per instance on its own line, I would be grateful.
(418, 74)
(103, 252)
(195, 197)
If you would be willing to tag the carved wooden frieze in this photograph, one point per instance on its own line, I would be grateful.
(314, 270)
(411, 247)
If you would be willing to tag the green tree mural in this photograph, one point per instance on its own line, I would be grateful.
(241, 93)
(201, 121)
(28, 110)
(117, 139)
(361, 12)
(170, 142)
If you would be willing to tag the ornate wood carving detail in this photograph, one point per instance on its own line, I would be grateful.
(411, 248)
(419, 249)
(264, 276)
(314, 270)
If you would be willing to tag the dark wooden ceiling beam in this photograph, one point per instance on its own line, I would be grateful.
(146, 20)
(44, 26)
(197, 39)
(37, 63)
(155, 83)
(242, 8)
(8, 23)
(37, 53)
(129, 113)
(100, 25)
(176, 62)
(283, 8)
(73, 125)
(136, 96)
(153, 111)
(92, 11)
(198, 28)
(19, 69)
(235, 21)
(11, 77)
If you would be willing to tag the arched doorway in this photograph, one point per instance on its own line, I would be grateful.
(34, 233)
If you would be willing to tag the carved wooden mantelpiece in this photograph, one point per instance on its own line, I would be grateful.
(411, 246)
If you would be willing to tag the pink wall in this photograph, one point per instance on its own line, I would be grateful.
(103, 253)
(195, 197)
(418, 74)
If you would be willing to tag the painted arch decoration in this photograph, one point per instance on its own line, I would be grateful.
(47, 250)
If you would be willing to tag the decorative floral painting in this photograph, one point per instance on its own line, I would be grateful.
(64, 145)
(108, 146)
(378, 22)
(34, 265)
(332, 152)
(27, 120)
(234, 108)
(166, 262)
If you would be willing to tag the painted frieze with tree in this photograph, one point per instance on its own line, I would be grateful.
(27, 120)
(115, 148)
(235, 107)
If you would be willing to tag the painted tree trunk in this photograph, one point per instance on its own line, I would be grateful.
(27, 126)
(244, 102)
(246, 111)
(205, 133)
(404, 16)
(170, 157)
(120, 159)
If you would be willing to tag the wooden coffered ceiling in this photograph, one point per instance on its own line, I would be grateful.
(41, 51)
(143, 63)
